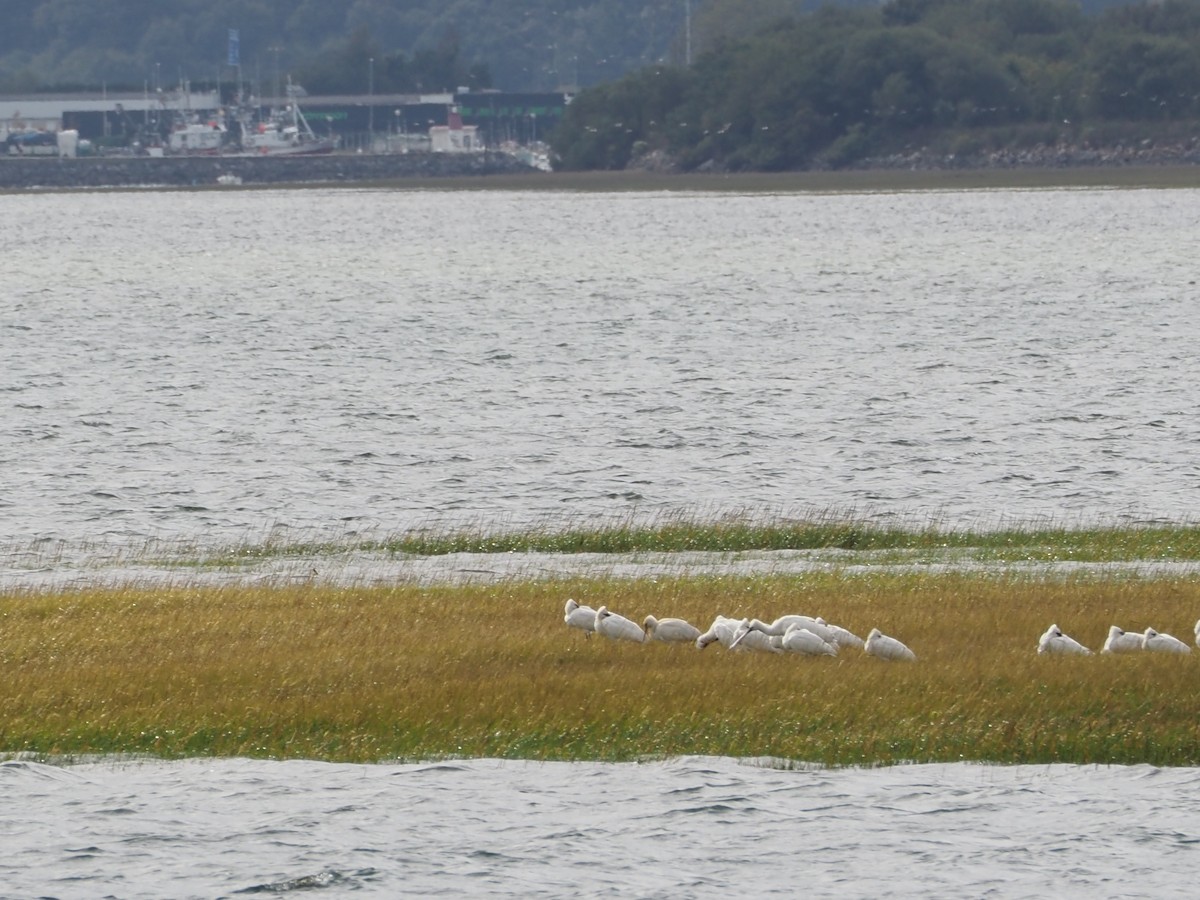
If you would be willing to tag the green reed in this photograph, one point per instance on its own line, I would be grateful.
(820, 531)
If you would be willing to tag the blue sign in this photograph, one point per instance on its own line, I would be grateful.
(233, 48)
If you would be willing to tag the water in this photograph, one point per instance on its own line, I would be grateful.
(228, 367)
(696, 827)
(211, 368)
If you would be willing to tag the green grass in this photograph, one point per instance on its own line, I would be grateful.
(864, 541)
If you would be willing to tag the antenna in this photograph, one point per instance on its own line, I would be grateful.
(687, 28)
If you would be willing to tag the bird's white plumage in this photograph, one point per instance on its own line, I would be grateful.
(843, 637)
(1054, 641)
(780, 626)
(753, 634)
(618, 628)
(729, 634)
(1163, 643)
(722, 631)
(1121, 641)
(881, 646)
(581, 617)
(802, 641)
(670, 631)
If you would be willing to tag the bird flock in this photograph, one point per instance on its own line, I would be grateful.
(1118, 641)
(809, 636)
(802, 635)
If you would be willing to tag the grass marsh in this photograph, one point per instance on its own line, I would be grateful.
(407, 672)
(830, 530)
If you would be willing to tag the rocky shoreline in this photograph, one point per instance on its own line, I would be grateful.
(49, 173)
(1045, 156)
(1146, 153)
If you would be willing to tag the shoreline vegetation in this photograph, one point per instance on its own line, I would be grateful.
(856, 540)
(369, 673)
(883, 179)
(866, 180)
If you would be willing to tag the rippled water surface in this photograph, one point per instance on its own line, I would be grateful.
(210, 366)
(227, 367)
(695, 827)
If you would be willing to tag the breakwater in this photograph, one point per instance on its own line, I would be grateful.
(196, 171)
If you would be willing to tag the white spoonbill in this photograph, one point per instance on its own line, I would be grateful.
(752, 634)
(581, 617)
(880, 645)
(728, 633)
(841, 636)
(722, 631)
(757, 635)
(1054, 641)
(617, 627)
(783, 623)
(670, 631)
(1163, 643)
(802, 641)
(1121, 641)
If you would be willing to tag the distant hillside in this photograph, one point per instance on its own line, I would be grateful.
(955, 78)
(521, 44)
(518, 45)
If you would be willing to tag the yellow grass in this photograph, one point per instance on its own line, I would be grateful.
(370, 673)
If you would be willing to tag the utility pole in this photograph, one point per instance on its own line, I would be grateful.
(687, 28)
(371, 104)
(275, 92)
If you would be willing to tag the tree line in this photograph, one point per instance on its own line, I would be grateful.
(837, 84)
(518, 45)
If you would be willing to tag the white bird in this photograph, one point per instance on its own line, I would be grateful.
(617, 627)
(1054, 641)
(1121, 641)
(757, 635)
(802, 641)
(581, 617)
(780, 626)
(1163, 643)
(841, 636)
(670, 631)
(727, 632)
(722, 631)
(1198, 632)
(880, 645)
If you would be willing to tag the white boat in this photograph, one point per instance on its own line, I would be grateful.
(197, 139)
(285, 133)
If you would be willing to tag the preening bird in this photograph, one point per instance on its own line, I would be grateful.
(802, 641)
(1163, 643)
(581, 617)
(670, 631)
(1054, 641)
(1121, 641)
(617, 627)
(881, 646)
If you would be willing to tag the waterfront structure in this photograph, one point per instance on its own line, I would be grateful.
(401, 121)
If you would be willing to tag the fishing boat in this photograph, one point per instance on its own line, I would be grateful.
(197, 139)
(284, 133)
